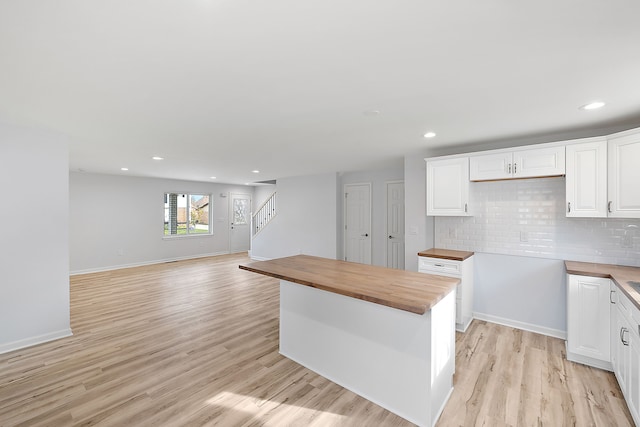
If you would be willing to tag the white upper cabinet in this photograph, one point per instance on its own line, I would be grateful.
(539, 162)
(624, 176)
(586, 179)
(487, 167)
(512, 164)
(448, 187)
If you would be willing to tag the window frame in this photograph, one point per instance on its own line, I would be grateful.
(188, 196)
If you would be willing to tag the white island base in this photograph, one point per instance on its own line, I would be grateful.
(399, 360)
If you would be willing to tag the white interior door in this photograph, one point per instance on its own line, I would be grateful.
(357, 223)
(240, 222)
(395, 225)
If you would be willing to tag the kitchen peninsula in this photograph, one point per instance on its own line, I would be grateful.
(387, 335)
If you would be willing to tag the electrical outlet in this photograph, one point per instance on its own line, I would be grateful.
(627, 241)
(120, 252)
(524, 236)
(452, 233)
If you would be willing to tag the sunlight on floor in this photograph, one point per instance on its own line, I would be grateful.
(250, 405)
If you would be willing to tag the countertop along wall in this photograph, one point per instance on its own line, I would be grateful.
(521, 237)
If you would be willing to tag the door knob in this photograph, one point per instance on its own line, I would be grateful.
(391, 237)
(365, 235)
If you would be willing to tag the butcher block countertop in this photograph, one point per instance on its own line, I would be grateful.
(446, 254)
(623, 276)
(404, 290)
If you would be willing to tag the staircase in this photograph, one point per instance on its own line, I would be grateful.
(264, 214)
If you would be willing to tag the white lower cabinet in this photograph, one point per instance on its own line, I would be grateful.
(464, 293)
(588, 321)
(625, 350)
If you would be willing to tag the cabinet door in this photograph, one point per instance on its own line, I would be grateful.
(588, 317)
(539, 162)
(586, 180)
(448, 187)
(614, 335)
(490, 166)
(624, 176)
(623, 353)
(633, 399)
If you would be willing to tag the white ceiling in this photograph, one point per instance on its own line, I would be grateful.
(222, 87)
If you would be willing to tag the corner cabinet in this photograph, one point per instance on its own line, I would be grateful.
(448, 187)
(588, 321)
(514, 164)
(602, 177)
(458, 264)
(625, 349)
(586, 179)
(624, 175)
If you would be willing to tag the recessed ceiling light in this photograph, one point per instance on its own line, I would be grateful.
(255, 171)
(429, 134)
(212, 177)
(593, 105)
(157, 158)
(124, 169)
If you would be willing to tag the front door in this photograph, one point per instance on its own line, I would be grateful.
(240, 222)
(357, 214)
(395, 225)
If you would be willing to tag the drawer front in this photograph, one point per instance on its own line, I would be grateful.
(624, 305)
(443, 267)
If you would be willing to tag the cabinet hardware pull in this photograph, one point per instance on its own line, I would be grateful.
(568, 206)
(439, 265)
(509, 168)
(465, 207)
(611, 300)
(609, 206)
(515, 168)
(622, 331)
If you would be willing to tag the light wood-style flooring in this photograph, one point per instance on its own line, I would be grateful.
(195, 343)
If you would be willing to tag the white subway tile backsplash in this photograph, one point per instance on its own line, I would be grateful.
(527, 217)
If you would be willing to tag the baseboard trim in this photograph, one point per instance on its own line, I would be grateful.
(589, 361)
(141, 264)
(259, 258)
(555, 333)
(31, 341)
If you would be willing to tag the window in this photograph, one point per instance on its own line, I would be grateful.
(186, 214)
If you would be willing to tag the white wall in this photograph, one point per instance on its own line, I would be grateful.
(530, 288)
(418, 226)
(34, 287)
(524, 292)
(306, 221)
(117, 221)
(378, 180)
(261, 194)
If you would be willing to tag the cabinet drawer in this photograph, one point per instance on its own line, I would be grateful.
(624, 305)
(440, 266)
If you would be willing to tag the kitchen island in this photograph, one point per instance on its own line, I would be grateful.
(387, 335)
